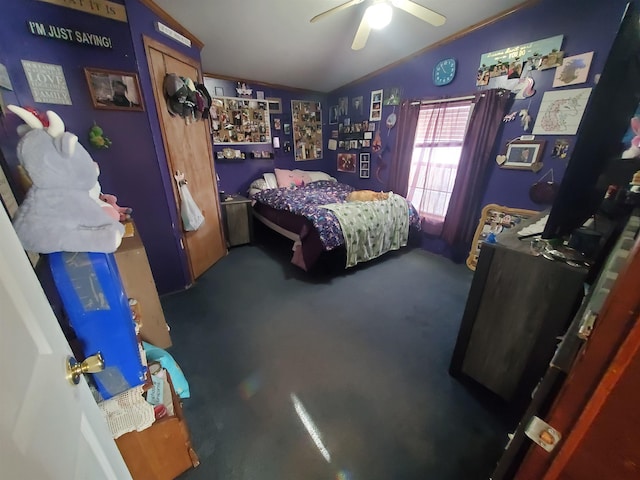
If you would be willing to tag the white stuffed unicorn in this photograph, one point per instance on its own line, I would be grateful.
(57, 213)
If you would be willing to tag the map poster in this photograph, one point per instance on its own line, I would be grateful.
(574, 70)
(561, 112)
(47, 82)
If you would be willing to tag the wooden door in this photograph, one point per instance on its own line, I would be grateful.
(48, 428)
(188, 149)
(596, 410)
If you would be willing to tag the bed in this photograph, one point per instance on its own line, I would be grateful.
(310, 208)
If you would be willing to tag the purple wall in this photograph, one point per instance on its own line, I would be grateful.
(586, 26)
(134, 168)
(236, 175)
(168, 258)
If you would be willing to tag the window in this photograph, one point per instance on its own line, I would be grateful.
(436, 153)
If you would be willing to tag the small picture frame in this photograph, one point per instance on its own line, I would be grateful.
(346, 162)
(333, 114)
(343, 106)
(219, 91)
(524, 155)
(356, 103)
(259, 94)
(375, 113)
(114, 89)
(275, 105)
(365, 165)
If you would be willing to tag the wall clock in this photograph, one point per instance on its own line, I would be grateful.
(444, 72)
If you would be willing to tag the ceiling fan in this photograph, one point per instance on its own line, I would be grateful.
(378, 15)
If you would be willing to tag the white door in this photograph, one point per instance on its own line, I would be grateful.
(49, 429)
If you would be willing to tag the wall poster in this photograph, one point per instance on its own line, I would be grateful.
(561, 111)
(240, 121)
(307, 129)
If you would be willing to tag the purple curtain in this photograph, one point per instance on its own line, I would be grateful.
(403, 150)
(475, 162)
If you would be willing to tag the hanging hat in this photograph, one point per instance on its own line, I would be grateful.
(189, 83)
(176, 93)
(206, 97)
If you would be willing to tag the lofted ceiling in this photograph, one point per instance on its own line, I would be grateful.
(272, 41)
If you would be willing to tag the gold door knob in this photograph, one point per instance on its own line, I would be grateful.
(92, 364)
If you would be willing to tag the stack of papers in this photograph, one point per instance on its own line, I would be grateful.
(535, 228)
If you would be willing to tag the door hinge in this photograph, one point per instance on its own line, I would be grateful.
(586, 324)
(542, 433)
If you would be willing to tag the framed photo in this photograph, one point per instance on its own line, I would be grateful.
(275, 105)
(219, 91)
(343, 106)
(114, 90)
(347, 162)
(495, 219)
(524, 155)
(392, 97)
(333, 114)
(375, 114)
(356, 103)
(365, 165)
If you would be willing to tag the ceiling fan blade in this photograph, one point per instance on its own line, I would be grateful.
(360, 40)
(421, 12)
(348, 4)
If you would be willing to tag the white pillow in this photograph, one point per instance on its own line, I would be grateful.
(270, 178)
(316, 176)
(256, 186)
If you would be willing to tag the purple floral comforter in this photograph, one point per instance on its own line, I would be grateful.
(307, 201)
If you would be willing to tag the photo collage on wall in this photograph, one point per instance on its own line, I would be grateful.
(504, 68)
(355, 128)
(560, 110)
(307, 130)
(240, 121)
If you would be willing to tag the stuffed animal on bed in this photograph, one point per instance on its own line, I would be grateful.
(57, 213)
(366, 196)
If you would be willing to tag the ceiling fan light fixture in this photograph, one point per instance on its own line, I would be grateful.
(379, 15)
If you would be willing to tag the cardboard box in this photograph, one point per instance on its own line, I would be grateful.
(138, 283)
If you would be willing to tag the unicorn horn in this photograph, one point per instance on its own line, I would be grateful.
(28, 117)
(56, 125)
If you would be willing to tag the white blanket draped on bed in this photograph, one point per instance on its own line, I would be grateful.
(372, 228)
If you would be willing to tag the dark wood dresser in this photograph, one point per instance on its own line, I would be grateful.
(518, 306)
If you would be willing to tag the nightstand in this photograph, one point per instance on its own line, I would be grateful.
(237, 219)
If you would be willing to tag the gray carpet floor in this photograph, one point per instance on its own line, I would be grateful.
(333, 375)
